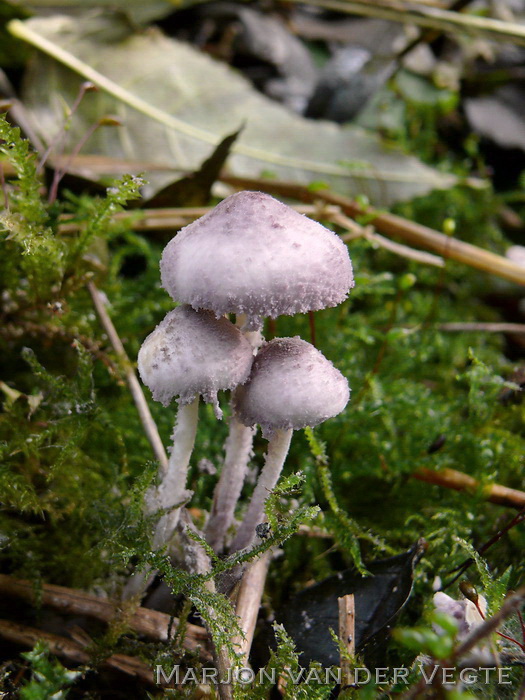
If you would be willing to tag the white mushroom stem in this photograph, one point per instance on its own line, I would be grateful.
(229, 487)
(172, 488)
(170, 491)
(275, 457)
(238, 448)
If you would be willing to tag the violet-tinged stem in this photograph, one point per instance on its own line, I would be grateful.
(229, 487)
(172, 489)
(238, 448)
(275, 457)
(170, 492)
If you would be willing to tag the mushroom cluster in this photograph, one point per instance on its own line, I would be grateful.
(254, 257)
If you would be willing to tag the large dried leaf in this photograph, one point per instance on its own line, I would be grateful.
(176, 103)
(137, 11)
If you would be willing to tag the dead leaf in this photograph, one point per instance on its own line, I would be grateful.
(175, 102)
(309, 616)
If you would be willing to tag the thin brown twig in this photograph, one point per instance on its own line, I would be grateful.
(150, 623)
(486, 628)
(459, 481)
(175, 217)
(150, 428)
(460, 570)
(71, 650)
(480, 327)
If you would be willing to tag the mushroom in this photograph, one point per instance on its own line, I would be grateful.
(190, 353)
(292, 385)
(253, 256)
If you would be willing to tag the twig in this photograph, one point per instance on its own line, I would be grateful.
(150, 623)
(347, 636)
(61, 646)
(366, 232)
(199, 562)
(428, 17)
(395, 226)
(172, 218)
(248, 603)
(146, 418)
(478, 327)
(459, 481)
(460, 570)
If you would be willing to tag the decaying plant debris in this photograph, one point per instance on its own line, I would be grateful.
(398, 521)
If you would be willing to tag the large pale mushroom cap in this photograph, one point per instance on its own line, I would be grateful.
(191, 353)
(254, 255)
(291, 385)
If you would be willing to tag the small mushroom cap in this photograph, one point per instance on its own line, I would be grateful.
(291, 385)
(191, 353)
(254, 255)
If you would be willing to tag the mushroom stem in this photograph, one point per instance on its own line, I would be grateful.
(172, 492)
(238, 448)
(229, 487)
(278, 447)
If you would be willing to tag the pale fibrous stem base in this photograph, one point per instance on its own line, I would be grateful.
(238, 449)
(228, 489)
(278, 447)
(171, 492)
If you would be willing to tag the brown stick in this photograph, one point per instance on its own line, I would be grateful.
(395, 226)
(146, 418)
(248, 603)
(150, 623)
(347, 636)
(61, 646)
(459, 481)
(476, 327)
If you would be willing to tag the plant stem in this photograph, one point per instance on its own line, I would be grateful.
(249, 602)
(229, 486)
(275, 457)
(146, 418)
